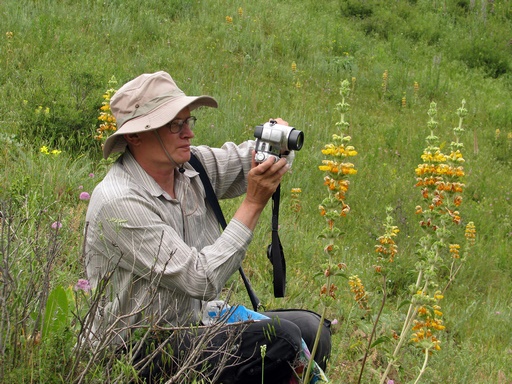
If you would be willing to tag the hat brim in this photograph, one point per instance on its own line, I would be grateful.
(154, 119)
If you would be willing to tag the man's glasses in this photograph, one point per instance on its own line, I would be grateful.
(177, 125)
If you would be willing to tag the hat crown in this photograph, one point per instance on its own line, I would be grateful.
(140, 92)
(148, 102)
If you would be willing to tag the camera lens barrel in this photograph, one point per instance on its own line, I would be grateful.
(258, 130)
(295, 140)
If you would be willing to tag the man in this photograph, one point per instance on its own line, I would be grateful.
(153, 237)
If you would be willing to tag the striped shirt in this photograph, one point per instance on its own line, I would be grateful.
(162, 256)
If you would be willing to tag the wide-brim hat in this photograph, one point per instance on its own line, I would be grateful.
(146, 103)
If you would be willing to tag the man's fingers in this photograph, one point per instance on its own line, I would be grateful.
(271, 167)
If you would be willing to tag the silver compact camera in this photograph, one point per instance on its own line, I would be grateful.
(274, 140)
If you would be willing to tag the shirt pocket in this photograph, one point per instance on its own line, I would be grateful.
(193, 205)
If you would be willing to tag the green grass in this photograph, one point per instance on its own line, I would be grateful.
(62, 54)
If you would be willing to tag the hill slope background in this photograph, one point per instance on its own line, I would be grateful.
(263, 59)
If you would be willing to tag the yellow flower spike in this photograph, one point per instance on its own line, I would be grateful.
(295, 202)
(357, 288)
(240, 12)
(454, 250)
(294, 66)
(470, 233)
(229, 20)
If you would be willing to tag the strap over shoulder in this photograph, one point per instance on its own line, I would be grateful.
(214, 204)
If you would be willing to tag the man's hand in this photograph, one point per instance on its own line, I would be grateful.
(280, 121)
(262, 181)
(264, 178)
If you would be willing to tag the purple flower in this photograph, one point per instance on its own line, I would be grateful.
(56, 225)
(91, 175)
(85, 196)
(334, 321)
(391, 382)
(80, 187)
(83, 285)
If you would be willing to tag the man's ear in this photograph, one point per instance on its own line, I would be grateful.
(132, 138)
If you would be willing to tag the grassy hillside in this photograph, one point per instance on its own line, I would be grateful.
(263, 59)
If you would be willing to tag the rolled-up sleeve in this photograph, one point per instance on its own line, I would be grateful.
(151, 246)
(227, 167)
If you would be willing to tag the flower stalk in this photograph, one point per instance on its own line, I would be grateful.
(440, 179)
(333, 208)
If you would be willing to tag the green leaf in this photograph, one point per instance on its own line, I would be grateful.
(405, 302)
(56, 314)
(380, 340)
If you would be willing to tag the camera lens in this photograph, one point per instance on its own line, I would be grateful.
(295, 140)
(258, 130)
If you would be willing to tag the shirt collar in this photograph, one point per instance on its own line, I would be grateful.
(143, 179)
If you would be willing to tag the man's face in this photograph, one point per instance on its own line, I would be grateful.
(177, 144)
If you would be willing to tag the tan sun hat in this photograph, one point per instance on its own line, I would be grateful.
(146, 103)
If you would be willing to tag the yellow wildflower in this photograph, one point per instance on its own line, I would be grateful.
(470, 233)
(454, 250)
(357, 288)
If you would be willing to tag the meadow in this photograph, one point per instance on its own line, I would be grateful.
(263, 59)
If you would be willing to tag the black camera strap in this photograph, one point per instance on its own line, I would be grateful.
(214, 204)
(275, 249)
